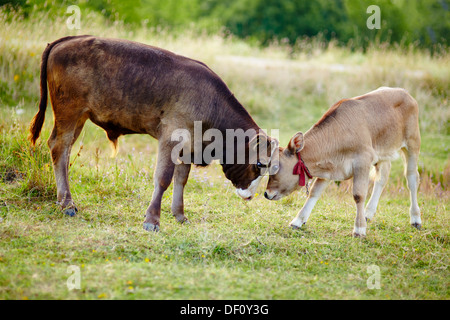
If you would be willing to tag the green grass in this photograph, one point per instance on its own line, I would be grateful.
(231, 249)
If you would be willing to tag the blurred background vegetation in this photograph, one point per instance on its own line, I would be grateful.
(423, 23)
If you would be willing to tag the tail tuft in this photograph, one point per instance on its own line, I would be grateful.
(36, 127)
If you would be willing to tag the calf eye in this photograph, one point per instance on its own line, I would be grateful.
(260, 165)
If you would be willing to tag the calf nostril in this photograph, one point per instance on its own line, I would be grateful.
(266, 195)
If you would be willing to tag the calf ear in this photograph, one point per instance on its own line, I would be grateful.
(296, 143)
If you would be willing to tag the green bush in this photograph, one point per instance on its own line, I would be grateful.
(425, 23)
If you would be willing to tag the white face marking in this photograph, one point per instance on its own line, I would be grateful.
(247, 194)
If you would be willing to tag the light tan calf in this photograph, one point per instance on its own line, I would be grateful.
(351, 137)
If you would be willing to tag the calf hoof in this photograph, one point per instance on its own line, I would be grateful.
(416, 225)
(359, 232)
(294, 227)
(181, 219)
(151, 227)
(358, 235)
(71, 212)
(185, 221)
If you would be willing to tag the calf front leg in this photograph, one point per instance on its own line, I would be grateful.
(163, 177)
(179, 181)
(316, 190)
(381, 178)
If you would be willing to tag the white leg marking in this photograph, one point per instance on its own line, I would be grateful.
(316, 190)
(373, 202)
(304, 213)
(414, 210)
(380, 182)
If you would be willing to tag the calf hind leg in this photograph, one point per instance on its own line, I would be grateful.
(412, 178)
(63, 136)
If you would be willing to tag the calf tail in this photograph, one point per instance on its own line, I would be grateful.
(38, 120)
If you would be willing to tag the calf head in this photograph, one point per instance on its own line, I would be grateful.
(259, 161)
(284, 181)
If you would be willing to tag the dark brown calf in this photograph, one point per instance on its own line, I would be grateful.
(127, 87)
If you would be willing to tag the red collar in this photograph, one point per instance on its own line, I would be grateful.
(300, 169)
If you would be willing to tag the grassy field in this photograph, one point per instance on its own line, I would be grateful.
(231, 249)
